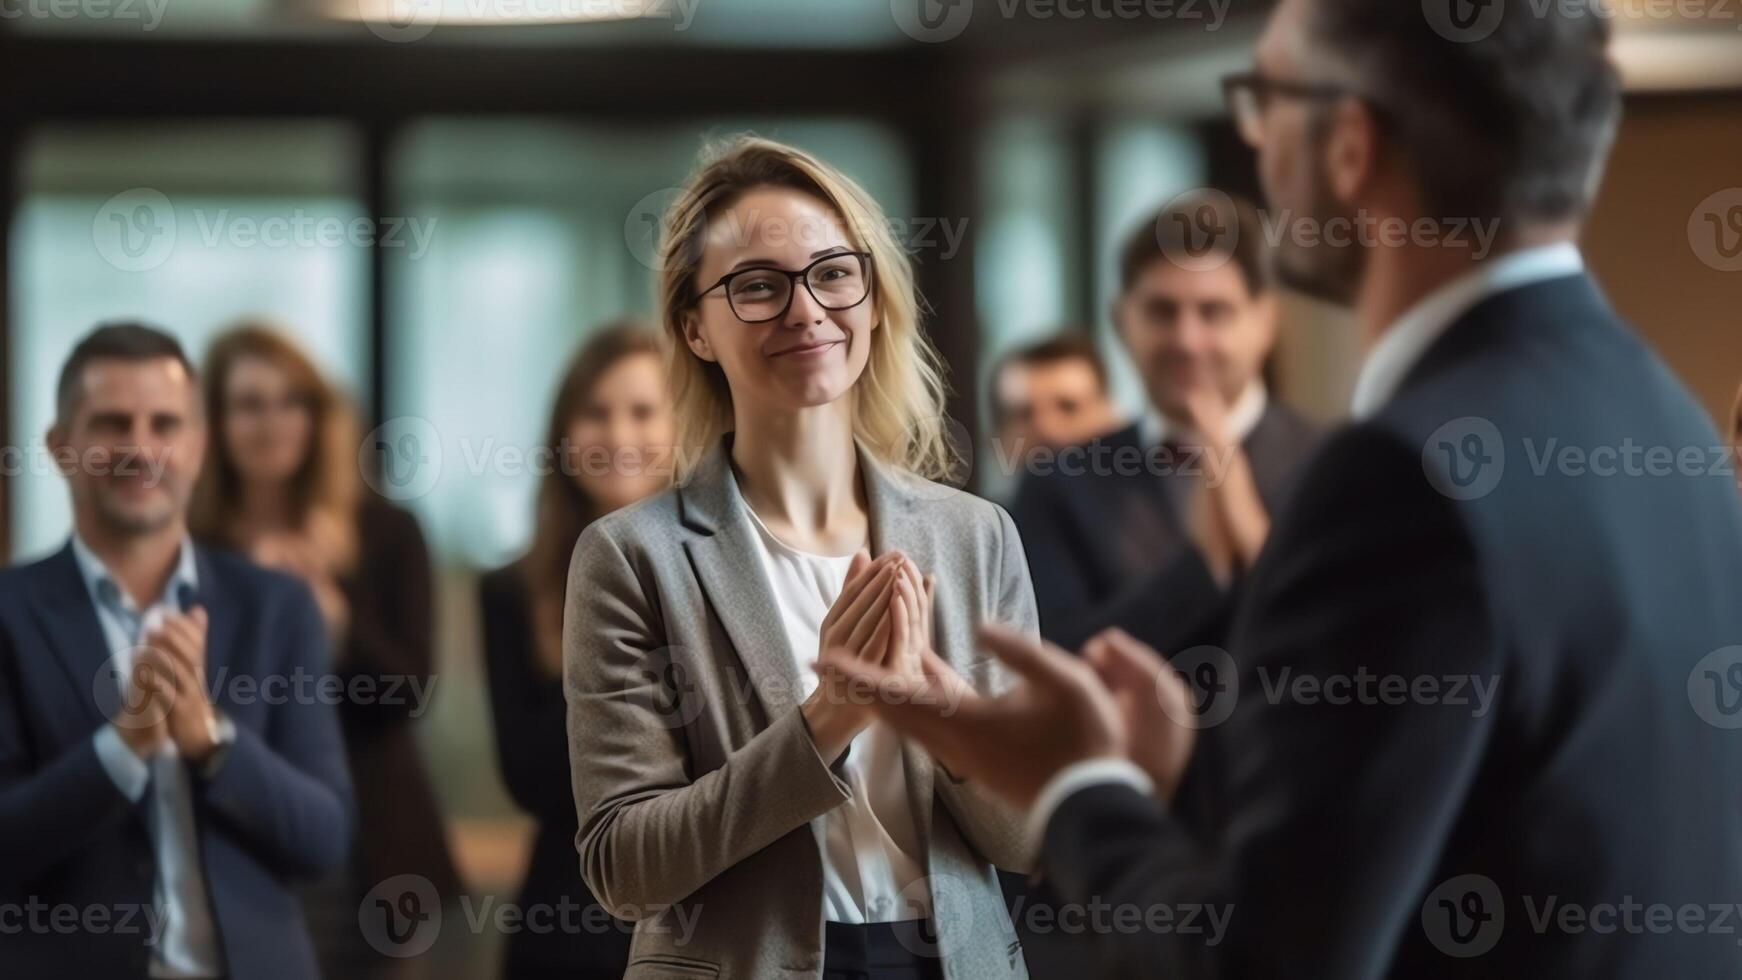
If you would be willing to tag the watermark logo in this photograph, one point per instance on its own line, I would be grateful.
(1204, 233)
(134, 231)
(402, 458)
(400, 21)
(401, 917)
(129, 694)
(1464, 21)
(932, 21)
(1715, 688)
(1465, 458)
(1715, 230)
(1214, 683)
(1465, 916)
(641, 228)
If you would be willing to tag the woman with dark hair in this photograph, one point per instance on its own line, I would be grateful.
(282, 485)
(608, 441)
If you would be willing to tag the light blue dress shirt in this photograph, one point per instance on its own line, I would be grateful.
(188, 945)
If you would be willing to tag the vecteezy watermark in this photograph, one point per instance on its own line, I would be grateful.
(1199, 230)
(1472, 21)
(37, 917)
(1473, 235)
(1097, 458)
(928, 236)
(1466, 916)
(1098, 917)
(1368, 688)
(403, 916)
(117, 688)
(1213, 683)
(148, 14)
(38, 458)
(1715, 688)
(1466, 458)
(402, 21)
(137, 230)
(937, 21)
(1715, 230)
(405, 458)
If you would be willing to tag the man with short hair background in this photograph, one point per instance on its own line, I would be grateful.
(1109, 527)
(151, 781)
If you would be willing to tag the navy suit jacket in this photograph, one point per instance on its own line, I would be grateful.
(1448, 537)
(278, 807)
(1109, 548)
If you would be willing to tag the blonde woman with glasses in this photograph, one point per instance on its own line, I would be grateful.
(740, 807)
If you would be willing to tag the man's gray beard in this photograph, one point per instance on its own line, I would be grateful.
(130, 522)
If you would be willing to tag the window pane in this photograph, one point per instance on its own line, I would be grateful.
(540, 231)
(185, 227)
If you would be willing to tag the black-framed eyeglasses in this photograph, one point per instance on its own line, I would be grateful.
(1249, 94)
(837, 281)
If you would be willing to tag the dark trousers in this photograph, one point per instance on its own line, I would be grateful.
(881, 951)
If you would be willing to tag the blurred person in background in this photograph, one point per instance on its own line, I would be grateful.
(741, 808)
(160, 777)
(1050, 394)
(283, 485)
(1111, 533)
(609, 440)
(1736, 437)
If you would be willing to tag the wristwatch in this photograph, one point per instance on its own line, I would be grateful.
(223, 734)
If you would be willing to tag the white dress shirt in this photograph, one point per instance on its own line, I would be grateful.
(1402, 346)
(1243, 416)
(1398, 350)
(873, 859)
(188, 946)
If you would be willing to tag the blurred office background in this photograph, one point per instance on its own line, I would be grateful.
(438, 196)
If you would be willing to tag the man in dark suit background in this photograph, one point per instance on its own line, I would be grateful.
(1478, 713)
(169, 754)
(1108, 525)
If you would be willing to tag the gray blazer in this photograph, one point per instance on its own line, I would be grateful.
(695, 776)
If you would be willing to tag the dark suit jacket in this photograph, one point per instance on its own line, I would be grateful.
(279, 807)
(1587, 604)
(532, 747)
(1107, 546)
(389, 647)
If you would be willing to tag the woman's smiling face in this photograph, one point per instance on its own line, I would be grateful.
(809, 355)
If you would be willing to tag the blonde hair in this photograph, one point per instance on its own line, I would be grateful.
(898, 400)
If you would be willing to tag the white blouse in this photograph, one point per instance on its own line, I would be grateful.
(873, 859)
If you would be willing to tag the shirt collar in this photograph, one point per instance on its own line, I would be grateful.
(106, 591)
(1243, 416)
(1402, 346)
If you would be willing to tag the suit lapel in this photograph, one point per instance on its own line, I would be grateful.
(724, 559)
(68, 618)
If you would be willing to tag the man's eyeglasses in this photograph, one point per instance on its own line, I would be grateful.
(1249, 94)
(837, 281)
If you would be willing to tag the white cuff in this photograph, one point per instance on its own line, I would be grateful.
(125, 768)
(1078, 776)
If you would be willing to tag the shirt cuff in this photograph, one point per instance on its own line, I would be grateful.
(1080, 776)
(125, 768)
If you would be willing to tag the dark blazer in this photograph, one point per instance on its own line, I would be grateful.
(389, 648)
(279, 807)
(1106, 546)
(532, 747)
(1425, 839)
